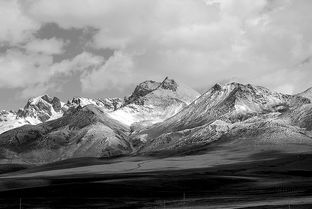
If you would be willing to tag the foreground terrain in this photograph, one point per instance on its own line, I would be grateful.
(223, 175)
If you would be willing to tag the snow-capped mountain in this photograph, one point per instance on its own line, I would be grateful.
(150, 102)
(45, 108)
(37, 110)
(158, 117)
(231, 101)
(42, 108)
(153, 102)
(233, 110)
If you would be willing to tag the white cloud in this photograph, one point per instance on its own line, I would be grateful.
(83, 61)
(15, 27)
(241, 8)
(108, 76)
(35, 72)
(45, 46)
(196, 41)
(20, 70)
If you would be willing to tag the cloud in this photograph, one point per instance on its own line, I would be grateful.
(36, 73)
(108, 76)
(19, 69)
(45, 46)
(82, 62)
(16, 27)
(197, 41)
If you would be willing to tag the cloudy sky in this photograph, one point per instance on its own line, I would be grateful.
(103, 48)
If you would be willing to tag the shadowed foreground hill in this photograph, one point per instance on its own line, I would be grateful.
(86, 131)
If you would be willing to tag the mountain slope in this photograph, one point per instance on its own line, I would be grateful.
(307, 94)
(88, 131)
(152, 102)
(302, 117)
(224, 112)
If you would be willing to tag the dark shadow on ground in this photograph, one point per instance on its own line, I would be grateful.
(270, 179)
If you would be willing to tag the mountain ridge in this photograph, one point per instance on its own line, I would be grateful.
(307, 93)
(229, 105)
(159, 117)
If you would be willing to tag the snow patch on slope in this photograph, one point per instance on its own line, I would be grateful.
(133, 113)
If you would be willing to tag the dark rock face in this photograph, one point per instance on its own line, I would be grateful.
(169, 84)
(43, 107)
(217, 87)
(112, 103)
(149, 86)
(56, 104)
(141, 90)
(75, 100)
(47, 98)
(21, 113)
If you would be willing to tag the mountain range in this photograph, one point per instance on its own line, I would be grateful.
(158, 118)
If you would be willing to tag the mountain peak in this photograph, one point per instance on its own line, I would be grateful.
(244, 87)
(36, 100)
(145, 87)
(149, 86)
(217, 87)
(307, 93)
(167, 88)
(42, 108)
(169, 84)
(154, 101)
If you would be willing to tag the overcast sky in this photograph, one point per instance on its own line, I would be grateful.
(103, 48)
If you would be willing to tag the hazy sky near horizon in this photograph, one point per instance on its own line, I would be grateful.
(103, 48)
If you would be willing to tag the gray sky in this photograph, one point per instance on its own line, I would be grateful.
(97, 48)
